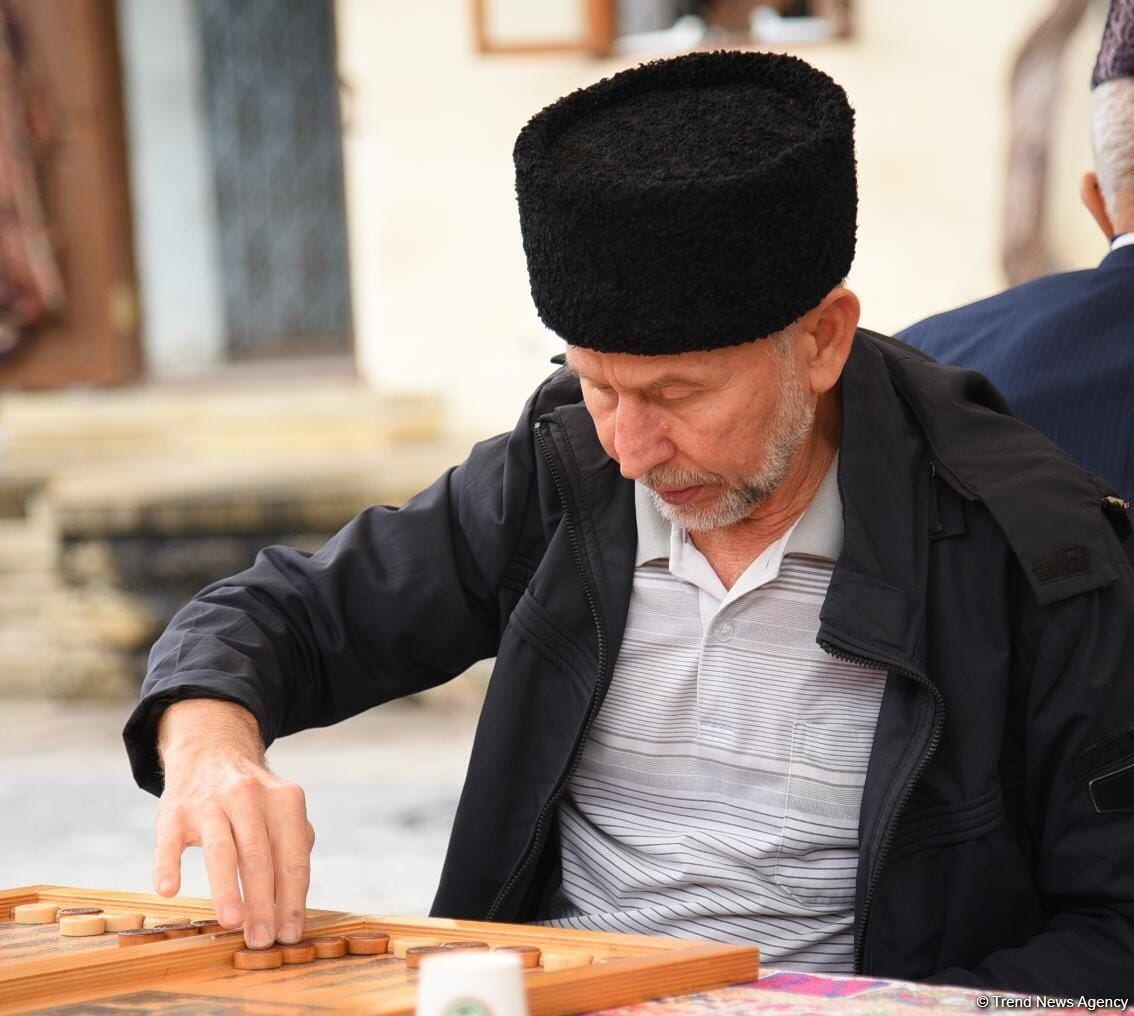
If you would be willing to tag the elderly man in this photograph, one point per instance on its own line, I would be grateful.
(1061, 348)
(800, 638)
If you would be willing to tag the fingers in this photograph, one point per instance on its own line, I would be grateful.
(257, 843)
(292, 839)
(221, 866)
(256, 867)
(169, 845)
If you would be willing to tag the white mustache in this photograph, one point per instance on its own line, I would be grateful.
(663, 478)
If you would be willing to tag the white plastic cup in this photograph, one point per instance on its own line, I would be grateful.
(471, 984)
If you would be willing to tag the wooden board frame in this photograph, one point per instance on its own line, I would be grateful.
(644, 967)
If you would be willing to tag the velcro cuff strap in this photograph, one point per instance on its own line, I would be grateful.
(1114, 791)
(1104, 752)
(1061, 564)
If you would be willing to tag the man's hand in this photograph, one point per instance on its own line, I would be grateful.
(219, 795)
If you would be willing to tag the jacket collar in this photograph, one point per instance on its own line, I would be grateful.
(991, 456)
(1123, 257)
(875, 603)
(605, 500)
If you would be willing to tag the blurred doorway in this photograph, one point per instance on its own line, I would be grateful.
(272, 122)
(70, 51)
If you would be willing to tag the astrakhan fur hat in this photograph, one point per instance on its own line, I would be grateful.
(688, 204)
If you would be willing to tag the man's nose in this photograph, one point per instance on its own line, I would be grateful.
(639, 443)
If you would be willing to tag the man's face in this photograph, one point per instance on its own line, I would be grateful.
(711, 434)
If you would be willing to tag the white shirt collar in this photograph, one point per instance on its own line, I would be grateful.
(1122, 240)
(818, 532)
(653, 529)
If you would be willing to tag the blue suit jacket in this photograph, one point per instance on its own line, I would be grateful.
(1061, 349)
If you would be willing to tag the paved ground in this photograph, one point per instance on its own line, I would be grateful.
(381, 788)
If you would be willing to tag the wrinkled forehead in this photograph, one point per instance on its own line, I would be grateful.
(632, 370)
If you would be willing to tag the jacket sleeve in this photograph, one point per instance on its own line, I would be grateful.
(398, 601)
(1079, 731)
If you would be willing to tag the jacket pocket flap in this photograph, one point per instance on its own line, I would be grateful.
(946, 824)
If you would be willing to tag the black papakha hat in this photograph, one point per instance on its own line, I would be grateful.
(688, 204)
(1116, 51)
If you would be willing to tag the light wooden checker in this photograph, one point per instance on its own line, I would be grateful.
(36, 941)
(161, 976)
(32, 947)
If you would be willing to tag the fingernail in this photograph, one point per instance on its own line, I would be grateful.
(260, 937)
(231, 915)
(166, 887)
(288, 933)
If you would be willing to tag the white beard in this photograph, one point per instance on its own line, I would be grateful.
(789, 428)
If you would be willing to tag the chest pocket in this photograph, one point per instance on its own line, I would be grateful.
(818, 854)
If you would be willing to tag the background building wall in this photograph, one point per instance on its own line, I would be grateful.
(174, 206)
(440, 289)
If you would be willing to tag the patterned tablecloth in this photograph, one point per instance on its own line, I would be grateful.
(779, 991)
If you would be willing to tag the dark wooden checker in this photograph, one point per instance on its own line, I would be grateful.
(28, 949)
(178, 977)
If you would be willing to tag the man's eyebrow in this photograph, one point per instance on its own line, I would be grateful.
(669, 380)
(664, 381)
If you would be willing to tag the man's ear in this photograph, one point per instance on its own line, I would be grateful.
(832, 326)
(1092, 197)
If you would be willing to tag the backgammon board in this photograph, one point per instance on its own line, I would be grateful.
(41, 971)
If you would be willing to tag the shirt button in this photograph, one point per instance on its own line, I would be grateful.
(723, 631)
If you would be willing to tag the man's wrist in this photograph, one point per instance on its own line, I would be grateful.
(208, 725)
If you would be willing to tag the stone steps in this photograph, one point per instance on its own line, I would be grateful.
(53, 430)
(172, 474)
(26, 548)
(26, 662)
(29, 578)
(23, 594)
(25, 555)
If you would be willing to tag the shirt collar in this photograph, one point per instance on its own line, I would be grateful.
(817, 533)
(653, 529)
(1122, 240)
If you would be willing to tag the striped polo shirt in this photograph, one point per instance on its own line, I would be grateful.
(718, 793)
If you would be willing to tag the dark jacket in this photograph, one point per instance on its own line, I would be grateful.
(1061, 349)
(978, 568)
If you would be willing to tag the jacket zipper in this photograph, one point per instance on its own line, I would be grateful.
(923, 761)
(582, 566)
(935, 526)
